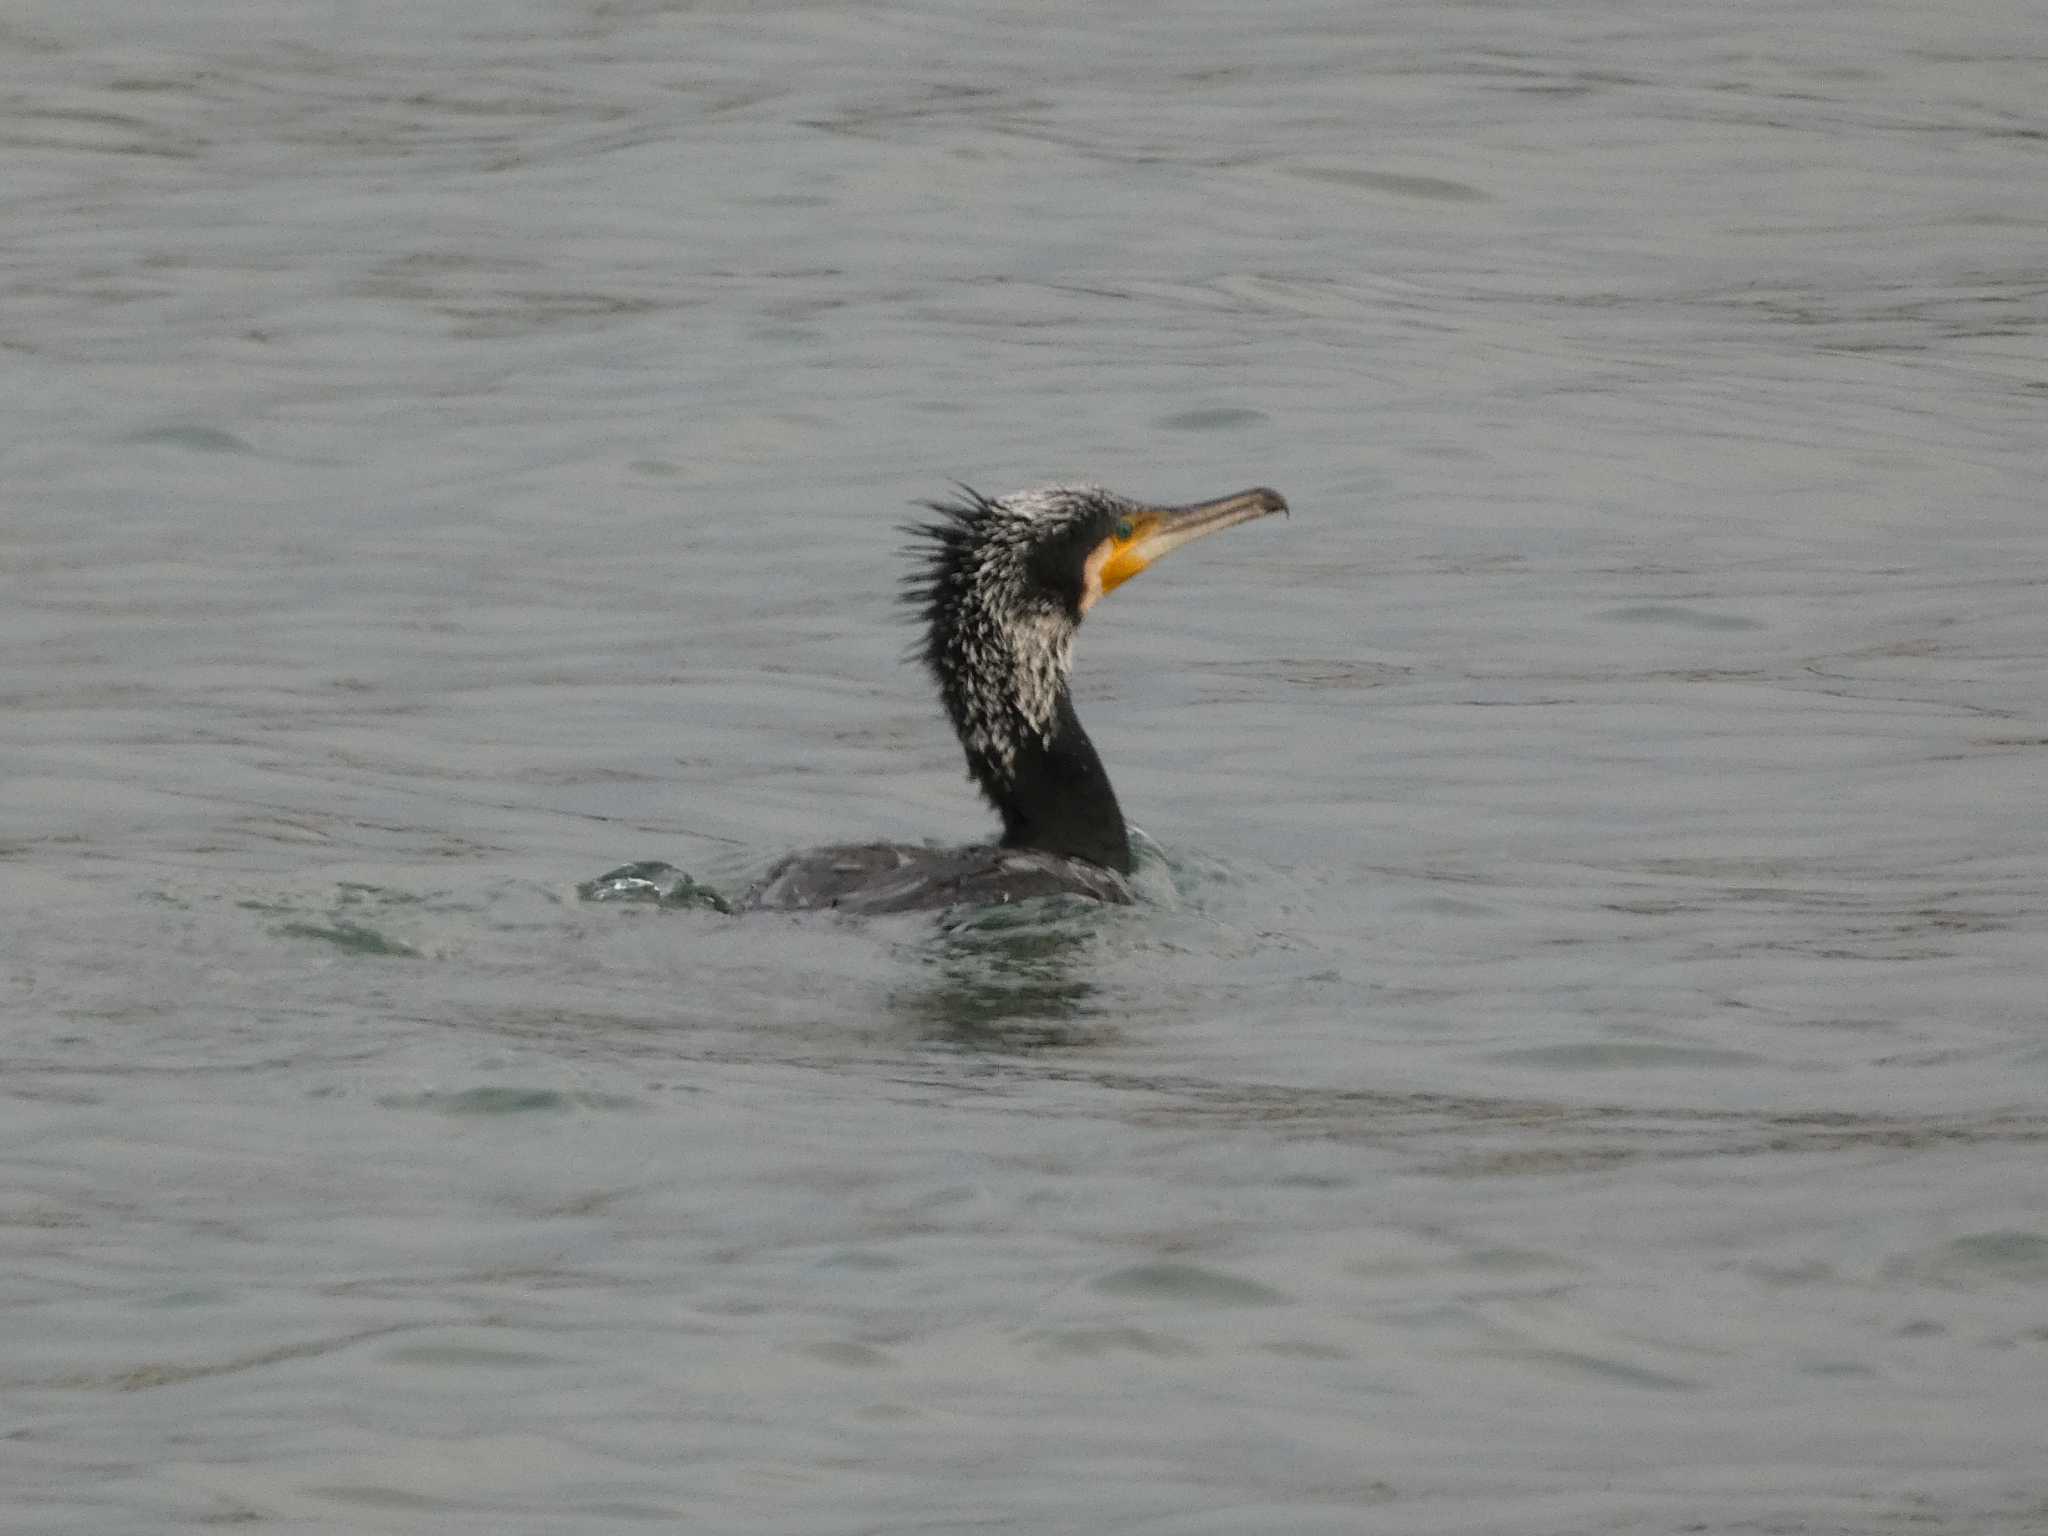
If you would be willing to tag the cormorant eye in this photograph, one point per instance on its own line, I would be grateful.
(1123, 530)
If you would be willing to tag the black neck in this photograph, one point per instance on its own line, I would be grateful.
(1056, 797)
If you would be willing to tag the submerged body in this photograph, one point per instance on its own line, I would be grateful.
(1002, 586)
(874, 878)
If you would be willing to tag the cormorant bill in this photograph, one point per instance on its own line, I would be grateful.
(1001, 585)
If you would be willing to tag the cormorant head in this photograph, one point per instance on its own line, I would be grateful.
(1002, 584)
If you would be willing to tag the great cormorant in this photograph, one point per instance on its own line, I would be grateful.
(1001, 584)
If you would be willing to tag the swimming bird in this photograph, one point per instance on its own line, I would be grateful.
(1001, 585)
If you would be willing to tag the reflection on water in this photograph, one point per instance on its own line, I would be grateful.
(1008, 978)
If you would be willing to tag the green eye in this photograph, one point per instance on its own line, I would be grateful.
(1123, 531)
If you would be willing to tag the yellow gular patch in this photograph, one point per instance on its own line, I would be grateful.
(1114, 562)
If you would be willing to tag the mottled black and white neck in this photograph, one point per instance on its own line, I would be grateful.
(1001, 585)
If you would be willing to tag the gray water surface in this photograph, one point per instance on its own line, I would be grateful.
(1583, 1067)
